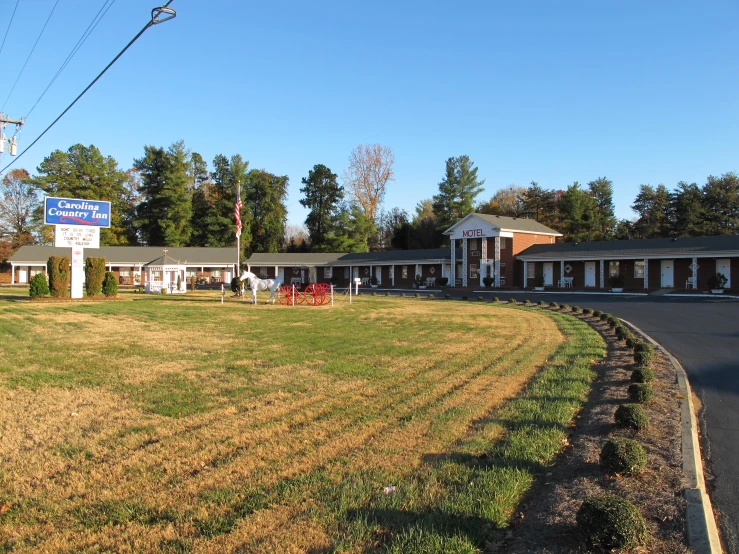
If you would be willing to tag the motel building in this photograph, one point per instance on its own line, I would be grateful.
(516, 253)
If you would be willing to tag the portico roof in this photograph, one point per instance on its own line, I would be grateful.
(431, 255)
(505, 224)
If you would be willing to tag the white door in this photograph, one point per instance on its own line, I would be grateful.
(723, 266)
(378, 274)
(281, 275)
(668, 276)
(22, 275)
(589, 274)
(548, 274)
(227, 276)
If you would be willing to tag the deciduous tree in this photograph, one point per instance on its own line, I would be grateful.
(18, 202)
(370, 170)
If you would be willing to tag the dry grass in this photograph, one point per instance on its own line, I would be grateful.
(267, 421)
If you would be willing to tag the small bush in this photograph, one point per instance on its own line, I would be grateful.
(612, 322)
(527, 302)
(576, 309)
(374, 293)
(597, 313)
(418, 295)
(611, 522)
(542, 303)
(553, 305)
(587, 311)
(622, 332)
(496, 299)
(644, 347)
(163, 290)
(402, 295)
(631, 416)
(387, 293)
(565, 306)
(512, 301)
(94, 275)
(604, 316)
(110, 285)
(640, 392)
(631, 341)
(623, 456)
(481, 298)
(642, 375)
(38, 286)
(643, 359)
(431, 296)
(464, 298)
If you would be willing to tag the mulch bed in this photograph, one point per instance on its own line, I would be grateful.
(545, 520)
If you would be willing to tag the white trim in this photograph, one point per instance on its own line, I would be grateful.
(625, 256)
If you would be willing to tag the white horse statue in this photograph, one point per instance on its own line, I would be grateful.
(255, 284)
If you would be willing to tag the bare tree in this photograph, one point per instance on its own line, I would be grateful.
(370, 169)
(18, 201)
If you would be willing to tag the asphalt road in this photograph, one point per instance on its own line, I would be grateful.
(702, 333)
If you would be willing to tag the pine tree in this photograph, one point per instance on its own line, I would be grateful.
(576, 208)
(265, 201)
(721, 202)
(457, 191)
(686, 211)
(652, 205)
(604, 219)
(322, 195)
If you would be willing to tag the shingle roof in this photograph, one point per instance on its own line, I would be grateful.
(615, 249)
(338, 258)
(132, 254)
(505, 223)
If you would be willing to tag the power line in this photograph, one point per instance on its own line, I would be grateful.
(9, 24)
(29, 55)
(90, 28)
(168, 12)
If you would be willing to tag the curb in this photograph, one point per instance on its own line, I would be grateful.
(703, 536)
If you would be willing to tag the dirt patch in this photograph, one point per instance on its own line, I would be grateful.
(546, 518)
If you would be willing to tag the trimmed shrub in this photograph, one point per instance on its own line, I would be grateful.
(604, 316)
(481, 298)
(597, 313)
(642, 346)
(374, 293)
(431, 295)
(496, 299)
(553, 305)
(631, 416)
(465, 298)
(512, 301)
(612, 322)
(611, 522)
(565, 306)
(631, 341)
(622, 332)
(576, 309)
(623, 456)
(387, 293)
(642, 375)
(402, 295)
(542, 303)
(417, 295)
(38, 286)
(587, 311)
(94, 275)
(110, 285)
(163, 290)
(527, 302)
(59, 273)
(640, 392)
(643, 358)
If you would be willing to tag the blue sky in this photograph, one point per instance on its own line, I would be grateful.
(555, 92)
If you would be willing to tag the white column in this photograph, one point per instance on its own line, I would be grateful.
(497, 262)
(694, 267)
(483, 260)
(277, 272)
(646, 273)
(453, 275)
(12, 273)
(561, 273)
(392, 275)
(602, 274)
(525, 274)
(464, 261)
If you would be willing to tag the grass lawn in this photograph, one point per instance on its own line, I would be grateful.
(178, 424)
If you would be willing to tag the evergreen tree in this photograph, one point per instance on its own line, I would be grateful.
(603, 217)
(83, 172)
(652, 206)
(686, 211)
(721, 202)
(164, 216)
(457, 191)
(264, 198)
(322, 195)
(538, 203)
(576, 208)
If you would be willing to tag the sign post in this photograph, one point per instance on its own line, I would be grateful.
(77, 226)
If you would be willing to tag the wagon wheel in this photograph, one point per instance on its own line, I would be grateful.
(325, 292)
(285, 295)
(315, 294)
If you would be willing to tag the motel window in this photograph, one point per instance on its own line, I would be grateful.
(472, 244)
(613, 269)
(157, 274)
(326, 272)
(530, 270)
(215, 272)
(125, 273)
(639, 269)
(502, 242)
(404, 272)
(346, 273)
(191, 272)
(473, 271)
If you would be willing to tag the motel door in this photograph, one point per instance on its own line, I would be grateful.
(723, 266)
(378, 274)
(668, 276)
(589, 274)
(22, 275)
(548, 274)
(281, 275)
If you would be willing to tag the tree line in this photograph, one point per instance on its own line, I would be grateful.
(170, 197)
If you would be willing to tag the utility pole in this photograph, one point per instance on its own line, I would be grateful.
(13, 143)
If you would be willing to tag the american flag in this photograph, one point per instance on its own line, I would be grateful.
(237, 210)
